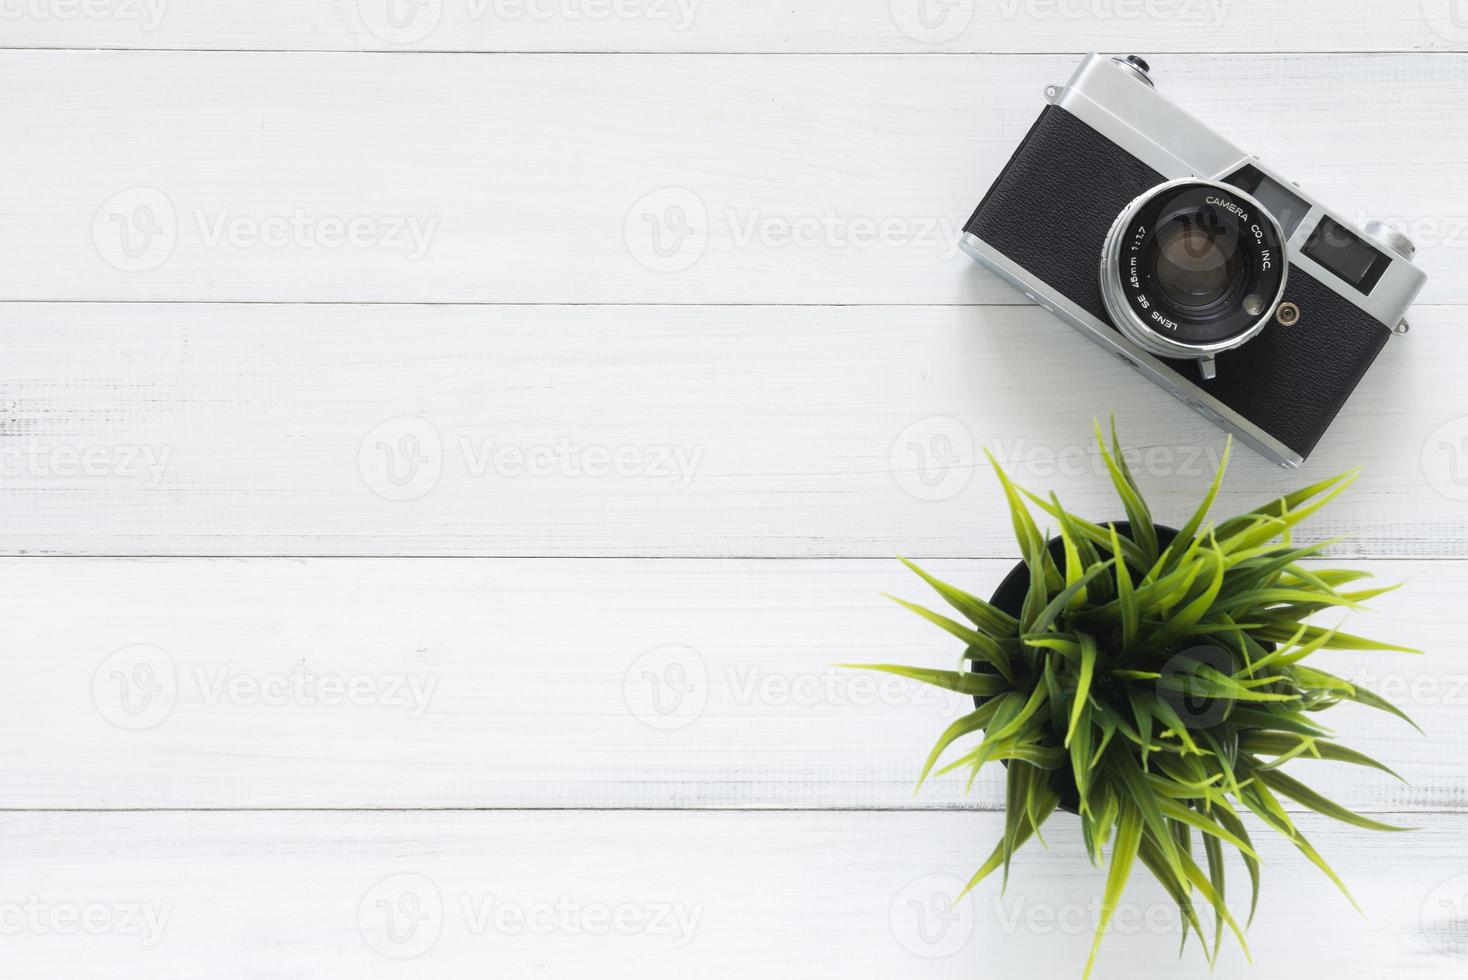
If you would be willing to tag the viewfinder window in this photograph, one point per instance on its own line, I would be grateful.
(1344, 253)
(1288, 208)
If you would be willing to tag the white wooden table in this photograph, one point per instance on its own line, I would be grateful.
(446, 446)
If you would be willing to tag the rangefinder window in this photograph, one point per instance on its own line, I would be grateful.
(1288, 207)
(1343, 253)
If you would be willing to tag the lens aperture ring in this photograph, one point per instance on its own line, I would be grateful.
(1193, 268)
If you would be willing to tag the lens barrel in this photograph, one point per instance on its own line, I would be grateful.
(1193, 268)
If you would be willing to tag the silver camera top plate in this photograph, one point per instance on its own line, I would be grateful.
(1115, 98)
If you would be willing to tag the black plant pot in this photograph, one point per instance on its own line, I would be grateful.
(1010, 597)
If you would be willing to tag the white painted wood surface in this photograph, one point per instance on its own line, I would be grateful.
(567, 683)
(851, 895)
(832, 26)
(629, 179)
(669, 431)
(319, 333)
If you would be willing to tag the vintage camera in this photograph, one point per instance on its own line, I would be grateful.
(1219, 279)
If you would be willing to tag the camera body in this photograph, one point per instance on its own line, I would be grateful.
(1217, 278)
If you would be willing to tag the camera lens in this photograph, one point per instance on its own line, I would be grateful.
(1196, 263)
(1193, 268)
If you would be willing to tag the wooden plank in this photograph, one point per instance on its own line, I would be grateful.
(183, 895)
(630, 179)
(734, 25)
(558, 431)
(608, 684)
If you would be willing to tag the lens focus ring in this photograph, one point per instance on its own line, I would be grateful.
(1193, 268)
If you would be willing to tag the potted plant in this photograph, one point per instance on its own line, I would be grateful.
(1154, 683)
